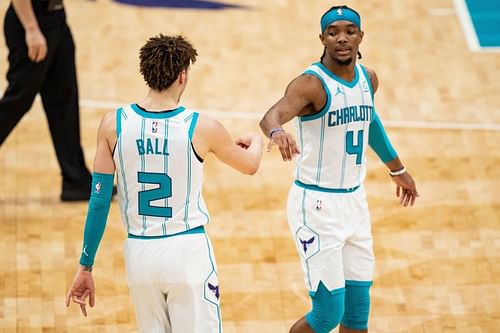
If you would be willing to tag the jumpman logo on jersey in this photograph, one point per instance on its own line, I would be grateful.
(214, 289)
(84, 251)
(306, 243)
(365, 87)
(339, 91)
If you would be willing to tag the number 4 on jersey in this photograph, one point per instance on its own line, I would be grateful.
(354, 149)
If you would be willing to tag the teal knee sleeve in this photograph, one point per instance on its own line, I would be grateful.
(357, 304)
(327, 309)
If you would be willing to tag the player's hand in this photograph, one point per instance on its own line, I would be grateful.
(406, 189)
(286, 143)
(37, 45)
(250, 139)
(82, 287)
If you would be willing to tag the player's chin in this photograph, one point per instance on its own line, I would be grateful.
(344, 60)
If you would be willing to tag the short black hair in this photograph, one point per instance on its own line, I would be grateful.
(163, 58)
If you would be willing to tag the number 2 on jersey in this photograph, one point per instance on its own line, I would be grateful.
(147, 196)
(354, 149)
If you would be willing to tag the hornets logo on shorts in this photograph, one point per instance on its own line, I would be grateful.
(307, 241)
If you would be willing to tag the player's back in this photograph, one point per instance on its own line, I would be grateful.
(159, 173)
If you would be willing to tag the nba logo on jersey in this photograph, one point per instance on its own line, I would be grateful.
(319, 204)
(154, 127)
(97, 188)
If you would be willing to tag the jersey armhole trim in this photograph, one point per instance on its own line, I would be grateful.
(118, 122)
(118, 128)
(367, 77)
(325, 108)
(192, 127)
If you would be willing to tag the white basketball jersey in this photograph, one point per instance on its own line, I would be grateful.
(333, 142)
(159, 174)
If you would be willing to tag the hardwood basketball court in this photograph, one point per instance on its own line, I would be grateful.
(438, 267)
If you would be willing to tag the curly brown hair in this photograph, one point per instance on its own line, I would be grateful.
(163, 58)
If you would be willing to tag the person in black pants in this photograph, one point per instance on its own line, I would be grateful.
(42, 60)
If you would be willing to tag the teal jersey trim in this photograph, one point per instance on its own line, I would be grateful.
(215, 272)
(325, 109)
(321, 145)
(156, 115)
(97, 215)
(301, 139)
(344, 158)
(358, 283)
(193, 125)
(119, 122)
(197, 230)
(188, 188)
(143, 185)
(201, 210)
(305, 224)
(338, 79)
(165, 170)
(125, 188)
(325, 189)
(379, 141)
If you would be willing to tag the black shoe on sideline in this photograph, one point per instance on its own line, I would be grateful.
(71, 193)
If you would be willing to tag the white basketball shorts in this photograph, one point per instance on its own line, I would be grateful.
(173, 284)
(332, 233)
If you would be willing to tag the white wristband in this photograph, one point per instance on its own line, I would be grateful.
(397, 172)
(275, 130)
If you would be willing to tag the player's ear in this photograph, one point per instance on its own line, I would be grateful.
(183, 76)
(322, 39)
(361, 34)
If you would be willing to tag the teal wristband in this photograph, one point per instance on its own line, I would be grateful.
(97, 214)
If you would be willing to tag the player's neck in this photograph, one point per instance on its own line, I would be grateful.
(345, 72)
(161, 100)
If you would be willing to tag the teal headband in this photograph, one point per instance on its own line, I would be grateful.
(340, 14)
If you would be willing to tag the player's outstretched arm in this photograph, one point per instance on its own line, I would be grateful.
(83, 286)
(302, 92)
(244, 154)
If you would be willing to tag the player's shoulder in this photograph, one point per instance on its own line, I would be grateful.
(108, 124)
(371, 72)
(109, 118)
(207, 125)
(304, 84)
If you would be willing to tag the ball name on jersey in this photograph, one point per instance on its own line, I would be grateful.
(149, 146)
